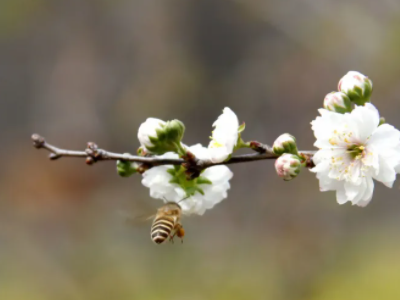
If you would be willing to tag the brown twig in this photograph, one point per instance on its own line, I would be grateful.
(94, 154)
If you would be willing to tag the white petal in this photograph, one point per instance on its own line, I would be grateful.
(218, 174)
(386, 174)
(366, 198)
(341, 195)
(354, 191)
(218, 155)
(367, 118)
(225, 135)
(385, 136)
(321, 166)
(200, 152)
(324, 125)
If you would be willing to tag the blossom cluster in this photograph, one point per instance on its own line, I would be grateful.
(354, 145)
(173, 183)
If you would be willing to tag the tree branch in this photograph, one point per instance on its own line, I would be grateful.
(94, 154)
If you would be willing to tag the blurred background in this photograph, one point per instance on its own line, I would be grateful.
(78, 71)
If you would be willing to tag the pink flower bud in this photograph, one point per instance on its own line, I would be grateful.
(356, 86)
(285, 143)
(288, 166)
(337, 102)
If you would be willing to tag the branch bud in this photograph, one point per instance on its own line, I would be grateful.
(285, 143)
(288, 166)
(38, 141)
(337, 102)
(89, 160)
(356, 86)
(126, 168)
(159, 137)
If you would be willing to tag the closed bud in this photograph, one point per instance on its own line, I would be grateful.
(288, 166)
(126, 168)
(285, 143)
(356, 86)
(337, 102)
(172, 132)
(159, 137)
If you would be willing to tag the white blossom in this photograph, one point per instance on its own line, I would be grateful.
(224, 137)
(354, 149)
(157, 179)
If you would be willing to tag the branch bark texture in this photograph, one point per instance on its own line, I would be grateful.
(93, 154)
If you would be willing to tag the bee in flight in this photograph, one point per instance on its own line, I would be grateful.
(167, 223)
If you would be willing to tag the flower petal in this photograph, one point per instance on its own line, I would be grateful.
(366, 198)
(367, 118)
(385, 136)
(354, 191)
(386, 174)
(341, 195)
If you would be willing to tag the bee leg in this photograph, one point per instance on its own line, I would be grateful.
(179, 231)
(171, 238)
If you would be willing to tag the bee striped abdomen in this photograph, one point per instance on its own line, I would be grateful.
(162, 228)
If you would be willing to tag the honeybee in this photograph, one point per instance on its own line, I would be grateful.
(167, 223)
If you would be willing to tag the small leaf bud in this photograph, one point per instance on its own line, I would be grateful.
(288, 166)
(337, 102)
(356, 86)
(126, 168)
(285, 143)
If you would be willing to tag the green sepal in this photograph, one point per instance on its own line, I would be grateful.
(287, 147)
(203, 180)
(168, 138)
(358, 97)
(189, 186)
(242, 127)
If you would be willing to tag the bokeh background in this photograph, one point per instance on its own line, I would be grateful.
(78, 71)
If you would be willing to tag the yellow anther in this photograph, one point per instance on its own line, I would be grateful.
(332, 142)
(215, 144)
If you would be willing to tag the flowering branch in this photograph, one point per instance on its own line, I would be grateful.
(355, 146)
(94, 154)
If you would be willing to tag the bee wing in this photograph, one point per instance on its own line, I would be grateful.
(137, 220)
(137, 212)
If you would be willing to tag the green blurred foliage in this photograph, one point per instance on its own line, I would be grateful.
(15, 15)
